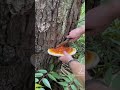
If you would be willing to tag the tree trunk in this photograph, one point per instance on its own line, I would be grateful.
(16, 46)
(21, 37)
(54, 19)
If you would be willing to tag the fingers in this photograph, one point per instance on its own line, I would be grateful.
(66, 58)
(76, 33)
(61, 58)
(65, 53)
(74, 39)
(69, 36)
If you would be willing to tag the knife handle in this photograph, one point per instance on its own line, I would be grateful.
(68, 39)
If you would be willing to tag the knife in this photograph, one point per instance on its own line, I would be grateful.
(64, 42)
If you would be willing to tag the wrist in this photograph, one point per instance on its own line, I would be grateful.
(72, 60)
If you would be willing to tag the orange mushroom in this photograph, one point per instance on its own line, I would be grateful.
(91, 59)
(59, 51)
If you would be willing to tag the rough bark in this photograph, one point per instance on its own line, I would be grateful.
(20, 39)
(16, 46)
(54, 19)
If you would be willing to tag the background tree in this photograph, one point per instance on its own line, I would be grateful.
(16, 44)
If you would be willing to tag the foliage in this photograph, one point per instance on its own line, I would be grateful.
(80, 43)
(82, 16)
(63, 78)
(107, 46)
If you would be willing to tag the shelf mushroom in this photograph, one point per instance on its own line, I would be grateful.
(59, 51)
(91, 59)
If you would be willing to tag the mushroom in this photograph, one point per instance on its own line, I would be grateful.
(59, 51)
(91, 59)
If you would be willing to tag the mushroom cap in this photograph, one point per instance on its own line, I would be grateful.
(91, 59)
(59, 51)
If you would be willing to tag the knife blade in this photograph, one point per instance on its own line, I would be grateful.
(64, 42)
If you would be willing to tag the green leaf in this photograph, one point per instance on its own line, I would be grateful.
(63, 83)
(62, 75)
(108, 76)
(38, 86)
(65, 88)
(76, 82)
(51, 67)
(73, 87)
(115, 41)
(37, 89)
(46, 83)
(54, 74)
(36, 79)
(81, 59)
(116, 82)
(70, 77)
(42, 71)
(38, 74)
(41, 89)
(51, 77)
(66, 79)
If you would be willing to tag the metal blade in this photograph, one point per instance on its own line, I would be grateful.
(63, 43)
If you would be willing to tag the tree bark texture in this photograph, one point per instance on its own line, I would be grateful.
(16, 45)
(54, 20)
(22, 38)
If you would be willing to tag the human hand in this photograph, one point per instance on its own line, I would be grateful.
(76, 33)
(98, 19)
(66, 58)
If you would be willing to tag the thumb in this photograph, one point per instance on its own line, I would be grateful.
(65, 53)
(60, 58)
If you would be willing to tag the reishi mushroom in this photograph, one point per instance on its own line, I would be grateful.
(91, 59)
(59, 51)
